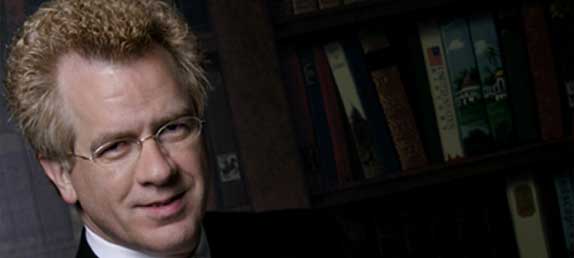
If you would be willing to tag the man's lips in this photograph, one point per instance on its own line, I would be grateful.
(161, 201)
(163, 208)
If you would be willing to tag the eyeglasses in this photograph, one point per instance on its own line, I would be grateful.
(173, 137)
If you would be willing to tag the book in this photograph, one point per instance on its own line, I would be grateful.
(322, 133)
(384, 145)
(221, 143)
(492, 77)
(383, 68)
(563, 183)
(441, 89)
(361, 125)
(335, 118)
(542, 68)
(304, 6)
(417, 87)
(562, 30)
(302, 121)
(520, 88)
(527, 217)
(399, 117)
(466, 88)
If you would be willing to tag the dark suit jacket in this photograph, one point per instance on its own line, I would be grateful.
(278, 234)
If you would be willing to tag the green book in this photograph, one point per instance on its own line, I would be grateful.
(466, 88)
(492, 78)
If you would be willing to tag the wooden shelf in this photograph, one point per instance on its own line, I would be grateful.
(350, 15)
(546, 157)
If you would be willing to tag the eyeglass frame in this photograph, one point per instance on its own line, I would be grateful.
(140, 141)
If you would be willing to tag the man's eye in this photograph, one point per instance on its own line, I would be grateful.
(175, 131)
(113, 150)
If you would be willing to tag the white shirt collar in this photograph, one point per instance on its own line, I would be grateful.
(104, 248)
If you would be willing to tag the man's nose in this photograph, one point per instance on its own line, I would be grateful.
(154, 166)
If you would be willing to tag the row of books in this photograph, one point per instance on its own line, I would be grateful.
(388, 100)
(488, 216)
(286, 8)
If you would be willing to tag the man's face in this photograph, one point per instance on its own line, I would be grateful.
(157, 204)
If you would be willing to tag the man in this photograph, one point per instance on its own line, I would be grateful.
(110, 94)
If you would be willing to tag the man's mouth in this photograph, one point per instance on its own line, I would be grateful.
(165, 209)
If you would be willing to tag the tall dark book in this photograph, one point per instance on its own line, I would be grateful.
(335, 118)
(562, 29)
(520, 88)
(221, 143)
(319, 120)
(369, 140)
(301, 117)
(383, 67)
(418, 89)
(382, 137)
(543, 71)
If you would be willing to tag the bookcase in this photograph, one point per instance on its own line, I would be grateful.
(461, 207)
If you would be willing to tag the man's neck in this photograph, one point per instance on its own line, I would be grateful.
(104, 248)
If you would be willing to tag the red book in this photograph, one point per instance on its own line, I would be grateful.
(302, 117)
(334, 117)
(543, 72)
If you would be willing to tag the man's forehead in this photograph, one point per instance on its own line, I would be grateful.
(96, 91)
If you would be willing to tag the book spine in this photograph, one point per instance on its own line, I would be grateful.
(492, 77)
(326, 161)
(441, 90)
(523, 199)
(382, 64)
(335, 117)
(354, 110)
(520, 88)
(376, 118)
(221, 143)
(565, 195)
(298, 103)
(414, 75)
(543, 72)
(400, 117)
(563, 44)
(466, 88)
(304, 6)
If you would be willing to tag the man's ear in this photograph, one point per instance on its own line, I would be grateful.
(61, 177)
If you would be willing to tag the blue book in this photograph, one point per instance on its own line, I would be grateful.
(565, 194)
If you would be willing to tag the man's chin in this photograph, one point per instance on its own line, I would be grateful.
(172, 241)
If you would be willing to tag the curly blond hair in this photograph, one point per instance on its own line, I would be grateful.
(114, 30)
